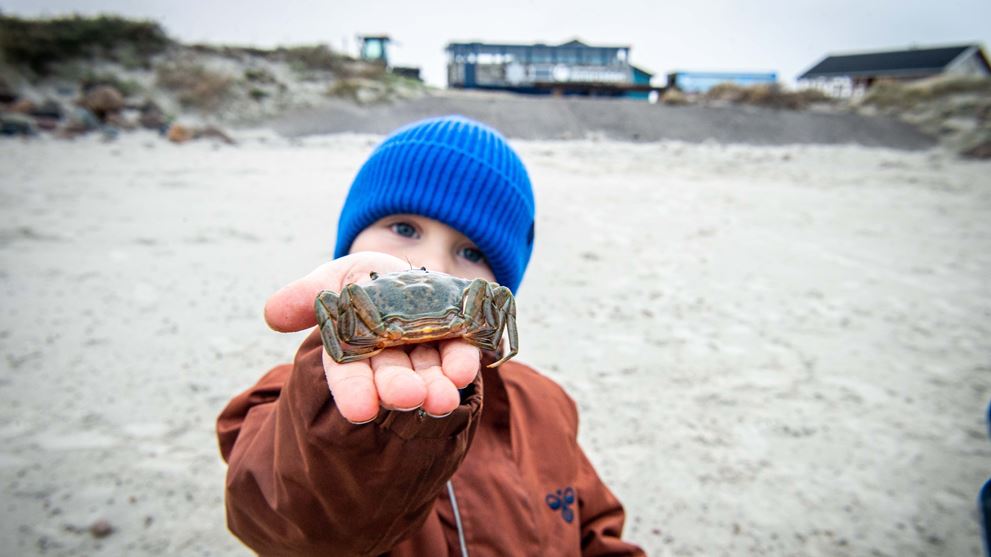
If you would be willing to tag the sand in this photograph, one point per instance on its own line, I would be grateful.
(534, 117)
(777, 350)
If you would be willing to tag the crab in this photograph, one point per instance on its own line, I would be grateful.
(415, 306)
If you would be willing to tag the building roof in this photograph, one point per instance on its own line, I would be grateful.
(571, 44)
(913, 61)
(641, 70)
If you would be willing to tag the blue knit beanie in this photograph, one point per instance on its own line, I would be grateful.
(456, 171)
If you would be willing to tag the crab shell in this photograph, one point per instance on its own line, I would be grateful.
(411, 307)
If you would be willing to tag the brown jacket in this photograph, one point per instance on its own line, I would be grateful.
(304, 481)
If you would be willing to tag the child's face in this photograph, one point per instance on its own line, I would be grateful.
(425, 242)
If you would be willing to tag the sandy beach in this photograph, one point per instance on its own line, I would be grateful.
(776, 349)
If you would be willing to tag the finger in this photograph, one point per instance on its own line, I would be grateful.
(291, 307)
(442, 396)
(460, 361)
(399, 387)
(353, 389)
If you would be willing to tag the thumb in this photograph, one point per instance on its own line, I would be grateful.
(290, 308)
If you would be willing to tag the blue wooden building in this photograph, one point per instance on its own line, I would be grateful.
(571, 68)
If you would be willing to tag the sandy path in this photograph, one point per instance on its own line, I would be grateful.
(776, 350)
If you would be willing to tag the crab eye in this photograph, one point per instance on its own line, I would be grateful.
(472, 254)
(404, 229)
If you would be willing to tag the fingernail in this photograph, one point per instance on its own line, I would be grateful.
(361, 423)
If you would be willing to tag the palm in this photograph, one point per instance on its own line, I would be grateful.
(428, 377)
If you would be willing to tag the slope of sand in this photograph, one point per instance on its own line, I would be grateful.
(776, 350)
(533, 117)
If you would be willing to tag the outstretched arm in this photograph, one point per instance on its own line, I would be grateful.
(304, 479)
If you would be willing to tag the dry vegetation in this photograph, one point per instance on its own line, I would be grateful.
(40, 44)
(44, 61)
(957, 109)
(954, 109)
(765, 95)
(909, 95)
(195, 86)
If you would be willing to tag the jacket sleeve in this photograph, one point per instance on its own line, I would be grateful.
(302, 480)
(602, 515)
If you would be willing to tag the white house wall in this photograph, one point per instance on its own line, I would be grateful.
(968, 63)
(839, 87)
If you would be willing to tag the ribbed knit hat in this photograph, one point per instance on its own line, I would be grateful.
(454, 170)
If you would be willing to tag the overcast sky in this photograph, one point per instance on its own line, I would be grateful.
(783, 36)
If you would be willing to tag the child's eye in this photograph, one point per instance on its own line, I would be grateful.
(472, 254)
(404, 229)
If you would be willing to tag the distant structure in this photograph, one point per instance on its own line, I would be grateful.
(700, 82)
(375, 49)
(852, 74)
(571, 68)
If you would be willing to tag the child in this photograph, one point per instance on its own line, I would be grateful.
(331, 459)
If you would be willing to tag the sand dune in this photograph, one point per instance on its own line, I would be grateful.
(777, 350)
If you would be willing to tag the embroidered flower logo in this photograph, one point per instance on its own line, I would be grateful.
(562, 499)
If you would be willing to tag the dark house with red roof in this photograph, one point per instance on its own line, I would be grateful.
(852, 74)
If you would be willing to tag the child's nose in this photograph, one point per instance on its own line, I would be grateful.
(433, 262)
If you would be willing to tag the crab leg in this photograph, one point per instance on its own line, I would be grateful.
(359, 353)
(474, 299)
(365, 308)
(507, 314)
(476, 307)
(326, 309)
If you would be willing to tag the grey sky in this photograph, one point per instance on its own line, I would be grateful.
(752, 35)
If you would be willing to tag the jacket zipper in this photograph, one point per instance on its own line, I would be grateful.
(457, 519)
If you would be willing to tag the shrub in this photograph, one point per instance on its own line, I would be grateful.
(345, 88)
(91, 79)
(768, 95)
(674, 97)
(727, 91)
(308, 58)
(39, 43)
(258, 75)
(904, 95)
(195, 86)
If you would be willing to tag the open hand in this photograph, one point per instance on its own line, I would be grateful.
(428, 377)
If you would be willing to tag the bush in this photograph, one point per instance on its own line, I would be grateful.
(258, 94)
(308, 58)
(39, 43)
(727, 92)
(195, 86)
(90, 80)
(905, 95)
(768, 95)
(360, 90)
(674, 97)
(259, 75)
(345, 88)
